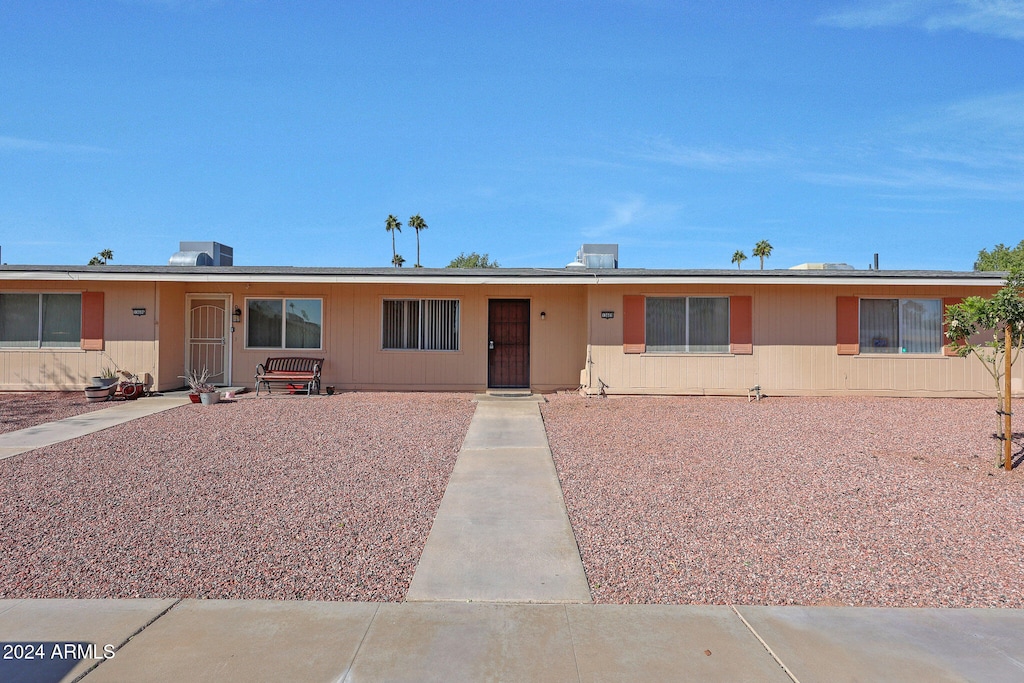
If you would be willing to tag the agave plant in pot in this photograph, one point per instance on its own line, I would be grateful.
(200, 389)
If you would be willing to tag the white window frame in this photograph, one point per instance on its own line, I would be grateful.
(868, 349)
(421, 337)
(39, 324)
(686, 344)
(284, 322)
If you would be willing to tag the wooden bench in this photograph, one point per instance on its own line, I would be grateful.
(297, 371)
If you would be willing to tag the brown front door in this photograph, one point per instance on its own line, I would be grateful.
(508, 355)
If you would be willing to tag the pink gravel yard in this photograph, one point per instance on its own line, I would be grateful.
(323, 498)
(834, 501)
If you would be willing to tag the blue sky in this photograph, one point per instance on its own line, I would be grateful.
(682, 131)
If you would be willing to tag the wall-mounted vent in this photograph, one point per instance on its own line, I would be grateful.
(203, 254)
(596, 256)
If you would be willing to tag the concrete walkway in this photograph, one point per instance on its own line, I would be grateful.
(501, 533)
(499, 596)
(228, 641)
(30, 438)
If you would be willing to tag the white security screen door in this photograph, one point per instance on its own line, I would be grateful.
(207, 337)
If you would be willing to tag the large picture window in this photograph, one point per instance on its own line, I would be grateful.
(284, 323)
(900, 325)
(33, 321)
(687, 324)
(420, 324)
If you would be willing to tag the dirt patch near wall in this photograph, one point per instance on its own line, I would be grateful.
(852, 501)
(23, 409)
(318, 498)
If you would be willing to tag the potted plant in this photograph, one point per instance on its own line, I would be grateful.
(106, 378)
(200, 390)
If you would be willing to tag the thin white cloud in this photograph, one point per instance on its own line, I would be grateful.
(973, 147)
(25, 145)
(662, 150)
(628, 216)
(1003, 18)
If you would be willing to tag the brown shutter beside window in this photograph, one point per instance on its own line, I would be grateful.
(741, 325)
(947, 350)
(634, 324)
(92, 321)
(847, 326)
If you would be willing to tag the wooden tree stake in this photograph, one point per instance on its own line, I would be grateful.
(1007, 421)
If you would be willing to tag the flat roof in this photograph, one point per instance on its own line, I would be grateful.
(481, 276)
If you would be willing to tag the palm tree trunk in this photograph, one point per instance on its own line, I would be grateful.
(418, 249)
(393, 252)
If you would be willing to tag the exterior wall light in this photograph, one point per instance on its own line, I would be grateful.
(138, 311)
(543, 315)
(236, 317)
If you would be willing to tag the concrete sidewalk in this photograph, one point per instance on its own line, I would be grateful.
(227, 641)
(30, 438)
(501, 533)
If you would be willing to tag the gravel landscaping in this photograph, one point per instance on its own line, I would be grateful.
(322, 498)
(811, 501)
(22, 409)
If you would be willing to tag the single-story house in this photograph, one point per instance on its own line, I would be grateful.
(617, 331)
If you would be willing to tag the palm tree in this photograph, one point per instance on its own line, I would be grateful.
(417, 223)
(392, 224)
(738, 258)
(101, 258)
(397, 261)
(762, 250)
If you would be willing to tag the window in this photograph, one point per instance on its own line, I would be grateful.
(284, 323)
(420, 324)
(687, 325)
(900, 325)
(33, 321)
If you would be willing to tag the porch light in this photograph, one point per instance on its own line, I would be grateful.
(543, 315)
(138, 311)
(236, 316)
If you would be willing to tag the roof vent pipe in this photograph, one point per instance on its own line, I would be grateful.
(876, 260)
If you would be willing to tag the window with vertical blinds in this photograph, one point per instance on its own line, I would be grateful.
(687, 324)
(420, 324)
(35, 321)
(900, 325)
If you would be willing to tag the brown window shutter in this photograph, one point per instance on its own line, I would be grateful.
(92, 321)
(634, 324)
(947, 350)
(741, 325)
(847, 325)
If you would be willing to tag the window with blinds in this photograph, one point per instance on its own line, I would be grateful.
(687, 324)
(420, 324)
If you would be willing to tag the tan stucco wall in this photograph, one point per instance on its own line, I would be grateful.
(352, 336)
(129, 341)
(793, 335)
(794, 330)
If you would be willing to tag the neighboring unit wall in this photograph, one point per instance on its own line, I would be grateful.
(794, 350)
(128, 342)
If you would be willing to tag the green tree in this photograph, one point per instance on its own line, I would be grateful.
(738, 257)
(472, 260)
(762, 250)
(1001, 257)
(101, 258)
(978, 327)
(391, 225)
(417, 223)
(397, 261)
